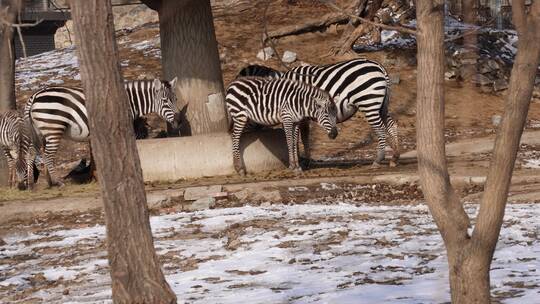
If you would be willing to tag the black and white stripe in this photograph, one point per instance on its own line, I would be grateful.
(363, 85)
(55, 112)
(268, 102)
(259, 71)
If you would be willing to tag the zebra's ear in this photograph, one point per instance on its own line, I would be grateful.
(173, 82)
(157, 84)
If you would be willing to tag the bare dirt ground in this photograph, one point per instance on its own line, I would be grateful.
(469, 132)
(468, 110)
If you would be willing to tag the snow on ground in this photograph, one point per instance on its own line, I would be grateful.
(50, 68)
(308, 253)
(58, 66)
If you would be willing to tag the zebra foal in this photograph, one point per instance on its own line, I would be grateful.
(57, 112)
(268, 102)
(363, 85)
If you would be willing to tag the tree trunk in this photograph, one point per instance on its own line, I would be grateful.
(469, 257)
(189, 51)
(9, 10)
(135, 270)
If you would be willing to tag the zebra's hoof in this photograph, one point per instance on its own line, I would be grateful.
(241, 172)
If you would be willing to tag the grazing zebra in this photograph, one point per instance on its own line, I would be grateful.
(362, 84)
(10, 124)
(13, 137)
(56, 112)
(267, 101)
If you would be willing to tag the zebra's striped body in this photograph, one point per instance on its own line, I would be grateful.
(55, 112)
(268, 102)
(362, 85)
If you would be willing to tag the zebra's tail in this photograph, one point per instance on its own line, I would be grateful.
(383, 112)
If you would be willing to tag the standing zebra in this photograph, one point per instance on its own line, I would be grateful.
(363, 85)
(268, 102)
(56, 112)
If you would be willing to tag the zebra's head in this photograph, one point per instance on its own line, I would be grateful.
(325, 113)
(165, 101)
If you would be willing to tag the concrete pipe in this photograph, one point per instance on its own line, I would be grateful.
(170, 159)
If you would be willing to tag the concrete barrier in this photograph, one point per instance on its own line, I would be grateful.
(170, 159)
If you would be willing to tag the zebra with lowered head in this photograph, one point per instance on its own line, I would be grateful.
(13, 136)
(10, 136)
(268, 102)
(363, 85)
(55, 112)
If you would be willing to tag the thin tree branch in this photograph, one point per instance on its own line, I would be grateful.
(380, 25)
(272, 44)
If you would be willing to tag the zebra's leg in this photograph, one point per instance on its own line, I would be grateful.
(51, 147)
(288, 127)
(11, 166)
(393, 138)
(93, 175)
(380, 131)
(296, 143)
(239, 124)
(304, 133)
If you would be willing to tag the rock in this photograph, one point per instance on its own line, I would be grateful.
(160, 199)
(500, 84)
(394, 78)
(483, 80)
(241, 195)
(272, 196)
(204, 203)
(496, 120)
(195, 193)
(265, 53)
(468, 61)
(289, 57)
(450, 74)
(494, 65)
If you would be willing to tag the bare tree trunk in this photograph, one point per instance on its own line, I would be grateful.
(189, 51)
(9, 10)
(135, 270)
(8, 13)
(469, 257)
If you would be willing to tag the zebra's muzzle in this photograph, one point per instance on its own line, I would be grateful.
(333, 133)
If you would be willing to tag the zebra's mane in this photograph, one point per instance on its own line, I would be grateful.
(300, 84)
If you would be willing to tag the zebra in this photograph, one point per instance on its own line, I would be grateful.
(268, 102)
(13, 135)
(10, 136)
(55, 112)
(363, 85)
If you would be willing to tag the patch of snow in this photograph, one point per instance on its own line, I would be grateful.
(532, 163)
(305, 253)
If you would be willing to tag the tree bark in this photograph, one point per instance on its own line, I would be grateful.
(8, 11)
(135, 270)
(470, 41)
(469, 257)
(189, 51)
